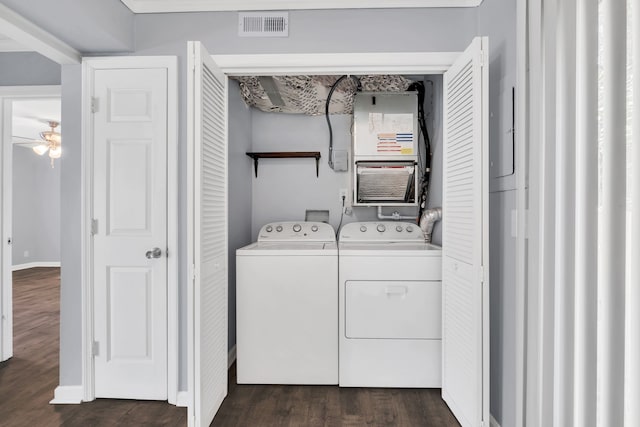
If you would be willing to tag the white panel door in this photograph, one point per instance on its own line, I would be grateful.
(465, 249)
(130, 220)
(6, 273)
(207, 115)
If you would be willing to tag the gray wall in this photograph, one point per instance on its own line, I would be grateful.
(27, 68)
(87, 25)
(36, 208)
(364, 30)
(240, 192)
(496, 19)
(70, 228)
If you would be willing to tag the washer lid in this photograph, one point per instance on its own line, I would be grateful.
(389, 249)
(289, 249)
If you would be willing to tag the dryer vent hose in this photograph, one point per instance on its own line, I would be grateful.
(428, 220)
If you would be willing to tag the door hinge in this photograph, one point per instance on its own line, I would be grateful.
(483, 59)
(95, 106)
(193, 272)
(94, 227)
(96, 348)
(482, 278)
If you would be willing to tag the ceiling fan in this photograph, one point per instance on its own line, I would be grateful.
(50, 141)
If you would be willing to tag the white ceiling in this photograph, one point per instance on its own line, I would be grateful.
(30, 117)
(160, 6)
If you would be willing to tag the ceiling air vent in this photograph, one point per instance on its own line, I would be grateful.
(263, 24)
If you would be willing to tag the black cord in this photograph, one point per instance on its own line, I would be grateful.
(326, 111)
(419, 87)
(341, 216)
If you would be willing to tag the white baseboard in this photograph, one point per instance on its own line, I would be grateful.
(35, 264)
(232, 356)
(67, 395)
(493, 422)
(182, 399)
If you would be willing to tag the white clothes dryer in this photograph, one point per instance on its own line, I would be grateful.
(390, 306)
(287, 305)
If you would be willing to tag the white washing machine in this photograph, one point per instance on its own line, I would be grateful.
(287, 305)
(390, 306)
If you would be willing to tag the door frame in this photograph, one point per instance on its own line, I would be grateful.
(335, 64)
(9, 94)
(89, 66)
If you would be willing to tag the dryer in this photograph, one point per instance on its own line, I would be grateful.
(389, 306)
(287, 305)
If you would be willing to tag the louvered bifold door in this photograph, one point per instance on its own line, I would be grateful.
(465, 381)
(210, 288)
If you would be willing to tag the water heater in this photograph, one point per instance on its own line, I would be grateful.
(385, 149)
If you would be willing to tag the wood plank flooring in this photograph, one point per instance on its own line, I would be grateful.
(28, 379)
(27, 382)
(329, 406)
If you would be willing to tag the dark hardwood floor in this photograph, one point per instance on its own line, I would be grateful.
(27, 382)
(28, 379)
(329, 406)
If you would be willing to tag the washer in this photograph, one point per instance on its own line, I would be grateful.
(287, 305)
(390, 306)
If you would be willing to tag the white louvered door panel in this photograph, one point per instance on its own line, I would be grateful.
(210, 236)
(465, 339)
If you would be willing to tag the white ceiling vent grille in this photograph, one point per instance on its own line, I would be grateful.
(263, 24)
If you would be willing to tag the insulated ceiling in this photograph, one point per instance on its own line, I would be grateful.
(308, 94)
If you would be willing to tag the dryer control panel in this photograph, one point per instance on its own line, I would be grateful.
(381, 231)
(288, 231)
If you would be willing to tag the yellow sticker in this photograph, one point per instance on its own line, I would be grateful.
(406, 151)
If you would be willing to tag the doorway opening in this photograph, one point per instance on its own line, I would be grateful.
(30, 193)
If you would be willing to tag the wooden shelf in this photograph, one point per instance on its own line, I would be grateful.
(285, 155)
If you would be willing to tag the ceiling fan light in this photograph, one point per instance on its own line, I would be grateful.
(40, 149)
(55, 152)
(51, 137)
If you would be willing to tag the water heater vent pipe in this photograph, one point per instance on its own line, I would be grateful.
(428, 220)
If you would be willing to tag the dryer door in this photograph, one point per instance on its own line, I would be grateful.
(393, 309)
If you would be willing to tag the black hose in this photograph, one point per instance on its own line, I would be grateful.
(328, 117)
(419, 87)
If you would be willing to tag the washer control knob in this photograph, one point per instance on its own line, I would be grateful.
(381, 228)
(269, 229)
(297, 227)
(279, 228)
(363, 228)
(314, 228)
(409, 228)
(399, 228)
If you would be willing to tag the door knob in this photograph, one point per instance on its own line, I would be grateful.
(154, 253)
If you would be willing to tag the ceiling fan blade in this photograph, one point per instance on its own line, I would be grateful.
(27, 142)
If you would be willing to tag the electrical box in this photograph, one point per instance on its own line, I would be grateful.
(385, 149)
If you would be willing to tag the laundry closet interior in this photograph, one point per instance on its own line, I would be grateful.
(279, 170)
